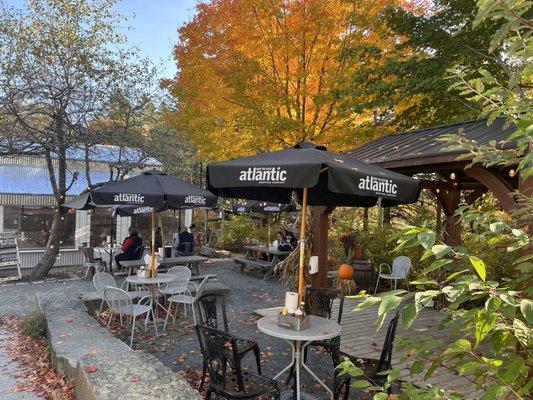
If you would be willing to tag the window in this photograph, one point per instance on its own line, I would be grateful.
(102, 225)
(33, 224)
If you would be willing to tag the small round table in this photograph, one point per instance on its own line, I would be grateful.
(152, 284)
(319, 329)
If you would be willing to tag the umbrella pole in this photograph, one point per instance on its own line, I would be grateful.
(152, 261)
(302, 247)
(268, 237)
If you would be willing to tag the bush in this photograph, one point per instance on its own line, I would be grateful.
(241, 230)
(34, 325)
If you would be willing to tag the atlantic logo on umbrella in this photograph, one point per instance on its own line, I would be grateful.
(378, 185)
(133, 198)
(263, 175)
(196, 200)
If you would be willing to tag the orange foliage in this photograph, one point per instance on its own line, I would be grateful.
(259, 75)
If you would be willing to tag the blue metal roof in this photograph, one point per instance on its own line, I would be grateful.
(28, 179)
(112, 154)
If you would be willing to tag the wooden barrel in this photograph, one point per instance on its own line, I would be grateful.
(363, 275)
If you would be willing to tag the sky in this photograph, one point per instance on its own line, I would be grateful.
(152, 26)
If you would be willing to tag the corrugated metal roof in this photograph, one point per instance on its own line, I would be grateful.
(34, 180)
(424, 143)
(112, 154)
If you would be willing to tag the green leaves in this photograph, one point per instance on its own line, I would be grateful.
(440, 250)
(388, 303)
(417, 367)
(479, 266)
(483, 324)
(436, 265)
(409, 314)
(526, 308)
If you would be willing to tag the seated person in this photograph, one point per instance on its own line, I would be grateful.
(158, 238)
(291, 239)
(185, 237)
(129, 247)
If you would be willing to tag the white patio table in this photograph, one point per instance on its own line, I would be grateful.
(152, 284)
(319, 329)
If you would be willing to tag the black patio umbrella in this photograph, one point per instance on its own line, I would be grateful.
(153, 189)
(318, 176)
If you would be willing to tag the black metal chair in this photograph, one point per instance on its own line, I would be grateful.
(228, 380)
(213, 306)
(371, 367)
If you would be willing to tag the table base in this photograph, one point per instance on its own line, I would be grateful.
(298, 362)
(288, 395)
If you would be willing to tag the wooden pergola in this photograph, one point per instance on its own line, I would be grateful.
(453, 181)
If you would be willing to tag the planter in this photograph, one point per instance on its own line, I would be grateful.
(363, 275)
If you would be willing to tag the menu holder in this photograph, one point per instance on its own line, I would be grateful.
(294, 323)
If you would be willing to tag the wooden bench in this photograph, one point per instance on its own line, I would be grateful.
(266, 266)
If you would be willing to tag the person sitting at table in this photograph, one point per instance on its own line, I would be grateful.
(283, 242)
(129, 247)
(291, 239)
(158, 238)
(185, 241)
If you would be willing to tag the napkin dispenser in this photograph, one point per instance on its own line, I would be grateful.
(143, 273)
(292, 322)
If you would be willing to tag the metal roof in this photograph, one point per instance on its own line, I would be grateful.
(34, 180)
(424, 143)
(112, 154)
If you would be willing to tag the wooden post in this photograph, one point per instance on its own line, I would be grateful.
(153, 269)
(320, 244)
(302, 248)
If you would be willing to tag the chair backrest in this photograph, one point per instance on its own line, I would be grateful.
(88, 253)
(386, 352)
(138, 253)
(218, 349)
(319, 301)
(209, 305)
(401, 266)
(183, 274)
(201, 288)
(117, 299)
(185, 248)
(101, 280)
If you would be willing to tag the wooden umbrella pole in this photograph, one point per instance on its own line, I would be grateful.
(302, 247)
(152, 260)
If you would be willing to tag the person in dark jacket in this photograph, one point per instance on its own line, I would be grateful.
(185, 237)
(158, 238)
(130, 247)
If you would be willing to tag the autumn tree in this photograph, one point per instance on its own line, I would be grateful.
(60, 65)
(259, 75)
(407, 85)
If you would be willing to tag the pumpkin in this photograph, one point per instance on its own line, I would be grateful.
(345, 271)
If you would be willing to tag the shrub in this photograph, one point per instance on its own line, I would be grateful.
(34, 325)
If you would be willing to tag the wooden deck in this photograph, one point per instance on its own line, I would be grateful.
(359, 338)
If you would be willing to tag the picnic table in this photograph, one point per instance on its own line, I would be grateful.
(190, 261)
(267, 266)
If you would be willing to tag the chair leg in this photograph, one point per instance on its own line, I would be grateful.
(168, 312)
(153, 319)
(257, 355)
(101, 306)
(110, 318)
(376, 288)
(395, 282)
(193, 314)
(204, 373)
(132, 331)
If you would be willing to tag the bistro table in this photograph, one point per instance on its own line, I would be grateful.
(190, 261)
(109, 252)
(267, 266)
(319, 329)
(152, 284)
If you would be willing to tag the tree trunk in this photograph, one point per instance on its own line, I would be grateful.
(52, 246)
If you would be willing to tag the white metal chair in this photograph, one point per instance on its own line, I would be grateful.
(183, 274)
(186, 298)
(101, 280)
(121, 303)
(91, 263)
(400, 269)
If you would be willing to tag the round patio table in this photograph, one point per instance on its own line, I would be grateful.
(152, 284)
(319, 329)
